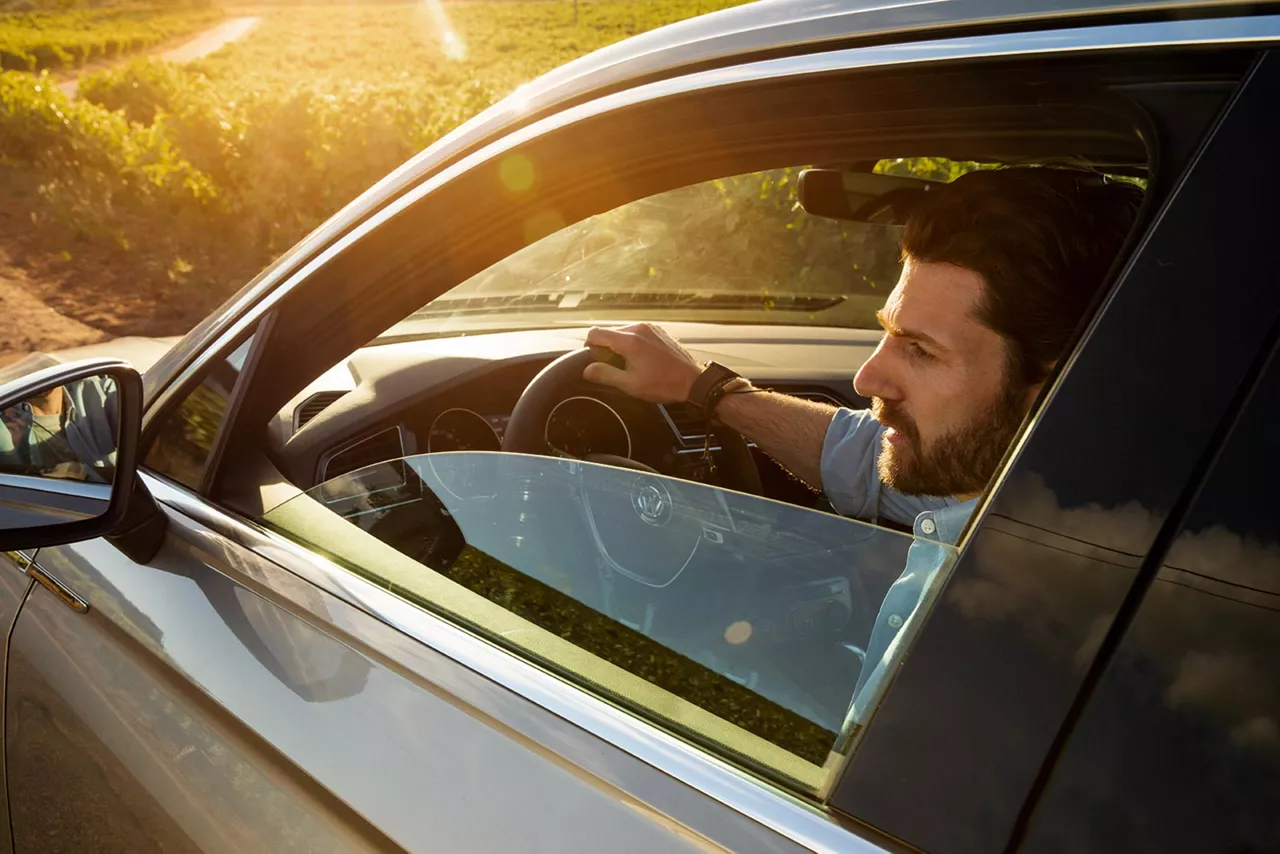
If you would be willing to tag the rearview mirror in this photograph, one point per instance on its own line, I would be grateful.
(860, 196)
(68, 452)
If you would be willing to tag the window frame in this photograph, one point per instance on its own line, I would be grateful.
(159, 414)
(868, 59)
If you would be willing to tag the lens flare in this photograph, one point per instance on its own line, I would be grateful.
(450, 42)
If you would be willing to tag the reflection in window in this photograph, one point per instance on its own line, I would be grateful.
(184, 440)
(69, 432)
(737, 621)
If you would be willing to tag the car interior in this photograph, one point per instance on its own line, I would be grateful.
(712, 591)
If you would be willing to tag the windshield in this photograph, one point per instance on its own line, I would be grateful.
(732, 250)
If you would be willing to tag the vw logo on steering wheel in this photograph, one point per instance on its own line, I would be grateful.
(651, 500)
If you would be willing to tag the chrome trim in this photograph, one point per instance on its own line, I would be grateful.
(65, 594)
(1261, 29)
(780, 811)
(546, 424)
(681, 438)
(32, 384)
(57, 486)
(21, 558)
(497, 442)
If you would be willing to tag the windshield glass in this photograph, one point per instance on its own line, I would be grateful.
(732, 250)
(738, 621)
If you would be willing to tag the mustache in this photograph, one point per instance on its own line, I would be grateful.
(892, 415)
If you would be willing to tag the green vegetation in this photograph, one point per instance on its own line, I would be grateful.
(196, 176)
(59, 40)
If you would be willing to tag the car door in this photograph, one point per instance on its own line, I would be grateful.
(1039, 605)
(238, 690)
(14, 584)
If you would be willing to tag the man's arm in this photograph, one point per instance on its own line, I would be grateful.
(790, 429)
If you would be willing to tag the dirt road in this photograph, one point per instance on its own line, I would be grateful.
(204, 44)
(32, 305)
(28, 324)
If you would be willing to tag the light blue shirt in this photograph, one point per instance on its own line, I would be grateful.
(852, 483)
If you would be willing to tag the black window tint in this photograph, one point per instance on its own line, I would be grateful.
(1179, 750)
(186, 434)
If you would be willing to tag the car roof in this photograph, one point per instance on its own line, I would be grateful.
(766, 28)
(769, 28)
(763, 29)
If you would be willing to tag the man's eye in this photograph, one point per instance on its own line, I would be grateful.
(919, 352)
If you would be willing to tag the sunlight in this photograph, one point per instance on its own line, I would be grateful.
(454, 47)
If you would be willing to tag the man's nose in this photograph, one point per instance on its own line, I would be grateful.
(875, 377)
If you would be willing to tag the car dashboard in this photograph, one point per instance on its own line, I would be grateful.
(441, 394)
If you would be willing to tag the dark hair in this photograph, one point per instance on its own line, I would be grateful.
(1042, 239)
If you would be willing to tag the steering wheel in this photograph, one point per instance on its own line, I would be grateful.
(526, 429)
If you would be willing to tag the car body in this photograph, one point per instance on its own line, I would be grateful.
(224, 663)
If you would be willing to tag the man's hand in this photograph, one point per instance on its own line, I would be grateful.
(658, 369)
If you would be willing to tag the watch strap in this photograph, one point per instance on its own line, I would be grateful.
(709, 388)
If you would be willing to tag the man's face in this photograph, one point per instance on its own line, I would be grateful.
(938, 382)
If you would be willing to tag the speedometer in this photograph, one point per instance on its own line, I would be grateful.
(583, 425)
(461, 430)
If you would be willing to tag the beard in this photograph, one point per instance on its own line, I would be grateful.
(960, 462)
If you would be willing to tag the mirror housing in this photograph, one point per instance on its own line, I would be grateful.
(860, 196)
(78, 509)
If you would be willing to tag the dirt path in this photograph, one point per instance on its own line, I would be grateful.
(30, 319)
(27, 324)
(203, 44)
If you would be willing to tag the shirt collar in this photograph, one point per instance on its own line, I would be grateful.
(944, 525)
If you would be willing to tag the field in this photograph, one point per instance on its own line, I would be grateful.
(60, 40)
(161, 188)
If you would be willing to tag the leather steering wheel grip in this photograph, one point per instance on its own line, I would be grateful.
(526, 428)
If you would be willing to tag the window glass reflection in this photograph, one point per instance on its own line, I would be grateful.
(69, 432)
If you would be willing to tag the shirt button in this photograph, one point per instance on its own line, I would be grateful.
(928, 526)
(895, 622)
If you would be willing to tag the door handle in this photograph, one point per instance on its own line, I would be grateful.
(20, 559)
(57, 588)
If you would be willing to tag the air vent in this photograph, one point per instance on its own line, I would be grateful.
(691, 429)
(312, 406)
(380, 447)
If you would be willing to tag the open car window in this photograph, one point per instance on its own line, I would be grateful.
(737, 622)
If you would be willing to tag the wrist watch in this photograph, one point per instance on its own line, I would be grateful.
(709, 388)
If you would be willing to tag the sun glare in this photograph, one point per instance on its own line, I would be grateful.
(450, 42)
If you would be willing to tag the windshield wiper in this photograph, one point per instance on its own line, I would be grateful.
(578, 300)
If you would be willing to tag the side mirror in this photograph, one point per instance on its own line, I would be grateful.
(69, 437)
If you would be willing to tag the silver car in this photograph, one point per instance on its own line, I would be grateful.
(362, 563)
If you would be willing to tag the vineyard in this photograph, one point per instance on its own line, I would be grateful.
(169, 186)
(61, 40)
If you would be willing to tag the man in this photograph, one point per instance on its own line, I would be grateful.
(999, 269)
(67, 433)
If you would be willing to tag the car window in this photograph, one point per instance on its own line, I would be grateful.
(738, 622)
(1193, 694)
(732, 250)
(183, 440)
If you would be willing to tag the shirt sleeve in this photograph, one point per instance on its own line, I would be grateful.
(850, 477)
